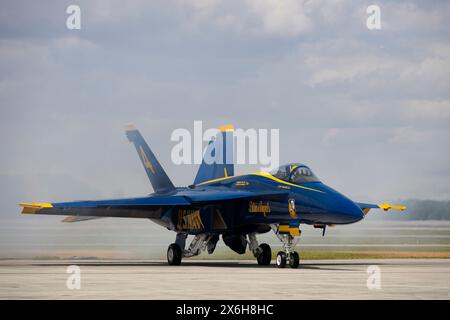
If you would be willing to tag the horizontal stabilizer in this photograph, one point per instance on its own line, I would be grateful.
(78, 219)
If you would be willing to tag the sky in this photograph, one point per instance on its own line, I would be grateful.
(367, 110)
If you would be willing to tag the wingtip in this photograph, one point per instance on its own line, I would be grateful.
(33, 207)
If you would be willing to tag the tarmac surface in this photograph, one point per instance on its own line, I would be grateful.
(197, 279)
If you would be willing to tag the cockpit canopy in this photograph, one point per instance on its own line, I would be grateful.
(295, 173)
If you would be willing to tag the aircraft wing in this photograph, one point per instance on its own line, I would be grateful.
(365, 207)
(143, 207)
(222, 195)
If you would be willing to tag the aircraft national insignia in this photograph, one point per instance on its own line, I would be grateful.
(189, 220)
(147, 163)
(259, 207)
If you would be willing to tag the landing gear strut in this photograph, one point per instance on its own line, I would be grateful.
(288, 256)
(201, 242)
(262, 252)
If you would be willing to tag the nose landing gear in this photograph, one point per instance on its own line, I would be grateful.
(288, 256)
(293, 259)
(281, 259)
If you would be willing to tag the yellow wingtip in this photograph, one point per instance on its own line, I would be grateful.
(31, 208)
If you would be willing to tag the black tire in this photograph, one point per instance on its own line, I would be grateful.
(294, 260)
(265, 255)
(281, 259)
(174, 255)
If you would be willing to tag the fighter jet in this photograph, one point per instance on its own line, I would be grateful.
(220, 203)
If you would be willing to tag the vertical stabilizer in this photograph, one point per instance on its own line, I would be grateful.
(156, 174)
(222, 168)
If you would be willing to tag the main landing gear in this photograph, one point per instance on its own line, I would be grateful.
(201, 242)
(174, 255)
(262, 252)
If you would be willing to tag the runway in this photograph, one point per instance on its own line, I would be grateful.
(197, 279)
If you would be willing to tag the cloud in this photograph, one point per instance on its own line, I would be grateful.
(71, 43)
(331, 134)
(310, 68)
(433, 67)
(332, 70)
(114, 11)
(280, 17)
(415, 17)
(409, 135)
(258, 17)
(437, 110)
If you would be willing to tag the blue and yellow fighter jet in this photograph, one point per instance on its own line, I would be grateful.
(238, 207)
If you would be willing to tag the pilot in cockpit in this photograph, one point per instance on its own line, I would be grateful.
(296, 173)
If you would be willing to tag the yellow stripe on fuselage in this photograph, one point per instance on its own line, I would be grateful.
(265, 175)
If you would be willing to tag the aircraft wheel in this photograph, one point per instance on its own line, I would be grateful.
(174, 255)
(281, 259)
(265, 255)
(294, 260)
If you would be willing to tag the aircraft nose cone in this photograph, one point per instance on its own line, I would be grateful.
(348, 209)
(335, 208)
(343, 209)
(353, 210)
